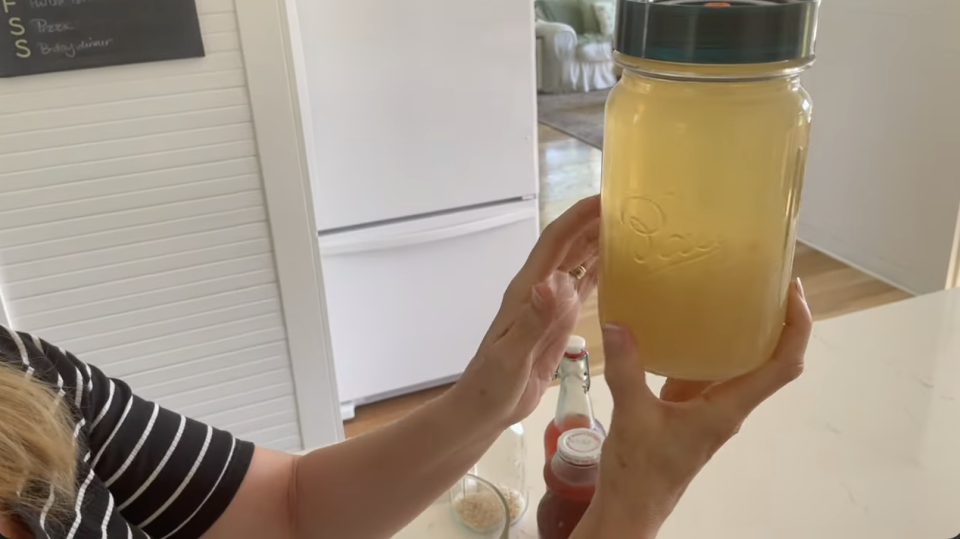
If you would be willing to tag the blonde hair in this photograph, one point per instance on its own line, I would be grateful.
(38, 452)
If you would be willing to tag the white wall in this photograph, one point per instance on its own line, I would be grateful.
(135, 229)
(883, 182)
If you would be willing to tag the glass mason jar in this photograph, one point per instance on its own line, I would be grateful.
(504, 466)
(705, 143)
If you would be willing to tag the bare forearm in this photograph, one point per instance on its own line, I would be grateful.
(371, 486)
(609, 520)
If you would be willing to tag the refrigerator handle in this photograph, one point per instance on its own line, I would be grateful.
(335, 246)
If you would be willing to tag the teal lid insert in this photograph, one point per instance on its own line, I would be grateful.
(709, 32)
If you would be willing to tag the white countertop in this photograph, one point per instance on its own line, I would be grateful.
(865, 445)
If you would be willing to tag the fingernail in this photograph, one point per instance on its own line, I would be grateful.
(800, 288)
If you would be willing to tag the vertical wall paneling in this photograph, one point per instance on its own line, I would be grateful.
(3, 311)
(135, 228)
(953, 275)
(271, 45)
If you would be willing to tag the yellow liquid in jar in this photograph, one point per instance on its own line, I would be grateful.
(701, 184)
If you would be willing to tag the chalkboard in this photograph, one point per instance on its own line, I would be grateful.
(40, 36)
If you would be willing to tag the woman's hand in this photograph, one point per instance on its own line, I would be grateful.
(333, 491)
(657, 446)
(518, 356)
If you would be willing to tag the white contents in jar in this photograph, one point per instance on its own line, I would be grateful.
(515, 502)
(480, 511)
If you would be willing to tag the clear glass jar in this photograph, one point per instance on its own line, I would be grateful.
(479, 506)
(705, 143)
(504, 465)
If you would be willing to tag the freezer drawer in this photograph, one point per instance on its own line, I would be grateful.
(409, 303)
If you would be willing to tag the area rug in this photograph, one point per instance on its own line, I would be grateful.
(578, 115)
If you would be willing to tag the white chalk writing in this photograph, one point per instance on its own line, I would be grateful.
(71, 49)
(37, 4)
(44, 26)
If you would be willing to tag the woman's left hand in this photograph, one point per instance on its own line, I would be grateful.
(519, 355)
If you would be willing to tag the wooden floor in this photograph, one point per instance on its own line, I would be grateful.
(569, 171)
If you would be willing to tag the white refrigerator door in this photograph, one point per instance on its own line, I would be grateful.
(409, 303)
(418, 106)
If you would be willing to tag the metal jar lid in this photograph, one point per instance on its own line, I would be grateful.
(709, 32)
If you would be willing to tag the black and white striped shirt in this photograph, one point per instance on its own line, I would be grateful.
(144, 472)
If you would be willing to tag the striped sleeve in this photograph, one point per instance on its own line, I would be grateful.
(168, 475)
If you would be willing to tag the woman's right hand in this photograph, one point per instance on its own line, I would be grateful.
(656, 446)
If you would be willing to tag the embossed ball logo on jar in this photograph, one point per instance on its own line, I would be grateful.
(658, 247)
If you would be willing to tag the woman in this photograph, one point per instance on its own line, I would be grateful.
(82, 457)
